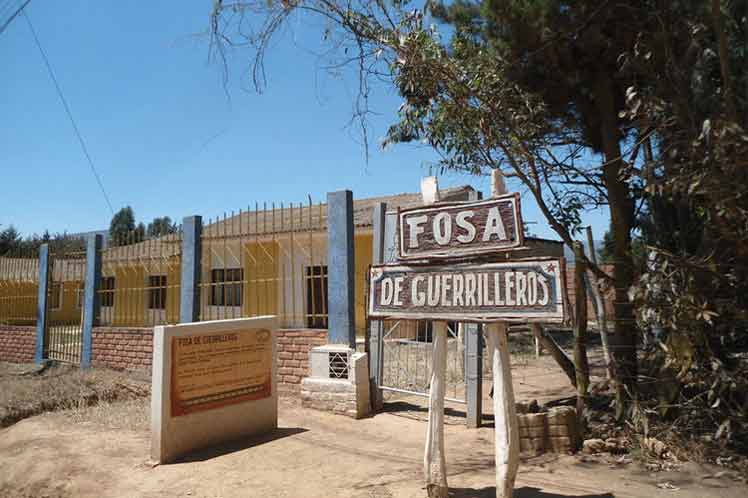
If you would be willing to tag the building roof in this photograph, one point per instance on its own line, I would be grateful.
(263, 222)
(279, 219)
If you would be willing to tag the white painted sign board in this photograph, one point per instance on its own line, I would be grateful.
(527, 290)
(212, 382)
(459, 229)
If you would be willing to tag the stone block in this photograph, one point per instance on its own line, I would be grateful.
(532, 446)
(532, 432)
(532, 420)
(346, 396)
(559, 430)
(560, 444)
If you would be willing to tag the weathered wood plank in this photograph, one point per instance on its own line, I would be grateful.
(460, 229)
(528, 290)
(506, 431)
(434, 458)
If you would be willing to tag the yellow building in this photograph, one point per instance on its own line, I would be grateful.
(269, 260)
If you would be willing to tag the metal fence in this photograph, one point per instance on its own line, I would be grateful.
(65, 292)
(407, 355)
(140, 280)
(270, 260)
(266, 260)
(19, 288)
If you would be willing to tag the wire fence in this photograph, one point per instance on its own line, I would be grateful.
(19, 288)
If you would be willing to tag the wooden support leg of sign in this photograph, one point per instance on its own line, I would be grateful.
(506, 432)
(434, 459)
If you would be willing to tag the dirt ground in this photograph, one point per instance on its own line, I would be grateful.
(102, 451)
(29, 389)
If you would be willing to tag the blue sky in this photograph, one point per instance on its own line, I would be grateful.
(162, 132)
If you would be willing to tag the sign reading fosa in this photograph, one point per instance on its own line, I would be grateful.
(453, 230)
(528, 290)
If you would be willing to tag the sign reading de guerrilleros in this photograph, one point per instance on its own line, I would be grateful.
(527, 290)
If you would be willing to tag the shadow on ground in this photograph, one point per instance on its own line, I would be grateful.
(404, 406)
(239, 445)
(523, 492)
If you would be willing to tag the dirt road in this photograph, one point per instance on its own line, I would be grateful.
(312, 455)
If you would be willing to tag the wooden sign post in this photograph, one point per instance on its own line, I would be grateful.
(506, 431)
(439, 279)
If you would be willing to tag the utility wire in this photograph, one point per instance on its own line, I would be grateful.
(68, 112)
(8, 6)
(13, 15)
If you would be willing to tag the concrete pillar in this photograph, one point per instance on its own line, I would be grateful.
(340, 269)
(91, 300)
(474, 375)
(41, 304)
(376, 348)
(189, 306)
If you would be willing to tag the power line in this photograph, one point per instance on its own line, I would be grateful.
(13, 15)
(68, 112)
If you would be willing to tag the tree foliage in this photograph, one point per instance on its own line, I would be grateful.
(694, 291)
(124, 230)
(161, 226)
(122, 226)
(13, 244)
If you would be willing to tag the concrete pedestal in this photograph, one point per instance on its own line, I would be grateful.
(339, 382)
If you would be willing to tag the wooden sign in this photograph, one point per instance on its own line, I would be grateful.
(460, 229)
(527, 290)
(213, 370)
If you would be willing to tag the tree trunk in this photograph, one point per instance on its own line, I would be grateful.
(506, 429)
(434, 459)
(580, 335)
(623, 341)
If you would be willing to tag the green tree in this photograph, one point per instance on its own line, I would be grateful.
(122, 226)
(566, 55)
(139, 232)
(161, 226)
(10, 240)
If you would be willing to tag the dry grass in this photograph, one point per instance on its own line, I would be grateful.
(129, 415)
(27, 390)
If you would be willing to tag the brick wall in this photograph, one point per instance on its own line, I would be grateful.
(17, 343)
(293, 356)
(132, 349)
(122, 348)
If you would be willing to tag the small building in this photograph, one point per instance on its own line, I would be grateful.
(270, 260)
